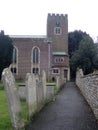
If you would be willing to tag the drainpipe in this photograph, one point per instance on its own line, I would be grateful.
(49, 57)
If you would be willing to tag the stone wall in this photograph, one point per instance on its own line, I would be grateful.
(89, 87)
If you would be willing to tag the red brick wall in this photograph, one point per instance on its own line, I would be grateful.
(25, 46)
(65, 63)
(60, 42)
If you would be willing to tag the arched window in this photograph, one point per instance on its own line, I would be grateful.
(35, 55)
(14, 60)
(35, 60)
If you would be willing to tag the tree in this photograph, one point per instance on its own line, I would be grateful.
(86, 57)
(6, 51)
(74, 39)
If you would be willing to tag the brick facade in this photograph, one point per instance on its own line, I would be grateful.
(53, 49)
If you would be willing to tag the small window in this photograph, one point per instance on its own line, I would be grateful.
(57, 30)
(59, 60)
(62, 60)
(35, 70)
(14, 70)
(55, 71)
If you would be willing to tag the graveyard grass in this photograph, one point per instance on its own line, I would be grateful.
(5, 121)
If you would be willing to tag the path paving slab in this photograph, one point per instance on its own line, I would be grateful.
(69, 111)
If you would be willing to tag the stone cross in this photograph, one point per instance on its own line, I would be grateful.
(13, 99)
(31, 97)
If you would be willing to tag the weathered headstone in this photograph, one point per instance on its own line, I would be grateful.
(44, 83)
(40, 95)
(22, 93)
(13, 99)
(31, 97)
(50, 91)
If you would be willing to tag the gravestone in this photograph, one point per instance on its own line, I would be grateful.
(44, 83)
(13, 99)
(49, 91)
(40, 95)
(22, 93)
(31, 97)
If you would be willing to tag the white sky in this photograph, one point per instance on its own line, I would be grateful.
(29, 17)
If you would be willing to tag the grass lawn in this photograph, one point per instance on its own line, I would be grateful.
(1, 86)
(5, 121)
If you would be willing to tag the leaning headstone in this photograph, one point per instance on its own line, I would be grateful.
(44, 83)
(31, 94)
(13, 99)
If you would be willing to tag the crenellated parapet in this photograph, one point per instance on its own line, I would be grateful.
(53, 15)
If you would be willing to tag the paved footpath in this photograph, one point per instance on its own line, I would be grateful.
(69, 111)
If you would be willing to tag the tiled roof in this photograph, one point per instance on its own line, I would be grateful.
(60, 53)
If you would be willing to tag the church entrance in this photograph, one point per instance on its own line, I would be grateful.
(65, 73)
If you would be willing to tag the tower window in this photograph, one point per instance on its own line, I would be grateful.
(57, 31)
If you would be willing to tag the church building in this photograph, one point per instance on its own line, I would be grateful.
(33, 54)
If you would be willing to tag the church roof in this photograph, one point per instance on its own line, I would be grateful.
(28, 36)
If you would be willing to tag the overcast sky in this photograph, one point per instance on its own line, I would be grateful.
(29, 17)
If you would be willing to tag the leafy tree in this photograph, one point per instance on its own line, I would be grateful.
(74, 39)
(86, 57)
(6, 50)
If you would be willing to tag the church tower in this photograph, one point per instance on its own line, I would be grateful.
(57, 31)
